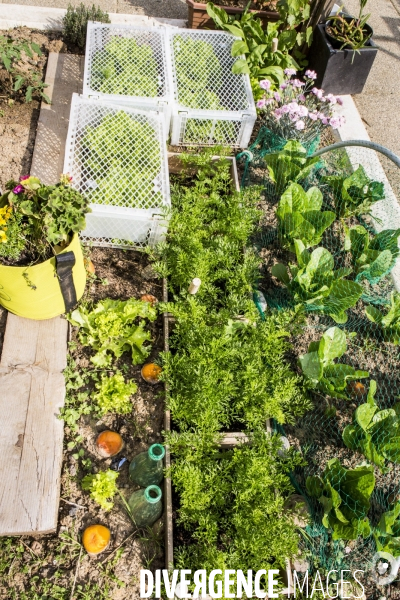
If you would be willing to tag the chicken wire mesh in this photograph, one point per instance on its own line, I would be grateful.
(329, 244)
(128, 64)
(212, 105)
(117, 158)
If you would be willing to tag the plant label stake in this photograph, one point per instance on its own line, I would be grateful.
(194, 286)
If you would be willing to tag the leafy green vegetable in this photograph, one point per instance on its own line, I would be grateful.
(300, 216)
(318, 364)
(290, 164)
(232, 503)
(120, 155)
(262, 60)
(345, 496)
(315, 283)
(387, 533)
(199, 79)
(114, 395)
(110, 329)
(102, 487)
(374, 432)
(390, 322)
(373, 257)
(125, 67)
(356, 194)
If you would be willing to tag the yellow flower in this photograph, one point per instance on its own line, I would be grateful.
(3, 237)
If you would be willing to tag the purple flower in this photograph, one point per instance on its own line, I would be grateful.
(265, 84)
(24, 177)
(302, 111)
(277, 96)
(339, 100)
(301, 97)
(290, 72)
(335, 122)
(313, 116)
(260, 103)
(293, 117)
(283, 86)
(18, 189)
(310, 74)
(324, 119)
(285, 109)
(317, 92)
(278, 113)
(330, 98)
(297, 83)
(300, 125)
(293, 107)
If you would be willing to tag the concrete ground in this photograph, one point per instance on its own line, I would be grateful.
(171, 9)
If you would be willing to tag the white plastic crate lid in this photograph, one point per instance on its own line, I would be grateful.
(130, 188)
(226, 90)
(127, 76)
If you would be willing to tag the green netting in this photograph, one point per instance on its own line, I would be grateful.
(329, 245)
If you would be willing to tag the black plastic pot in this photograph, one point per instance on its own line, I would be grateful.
(343, 71)
(338, 44)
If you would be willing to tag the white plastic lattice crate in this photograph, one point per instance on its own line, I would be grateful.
(211, 104)
(129, 64)
(117, 158)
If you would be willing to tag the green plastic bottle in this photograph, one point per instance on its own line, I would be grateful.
(147, 467)
(146, 506)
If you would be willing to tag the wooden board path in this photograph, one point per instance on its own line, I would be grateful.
(34, 354)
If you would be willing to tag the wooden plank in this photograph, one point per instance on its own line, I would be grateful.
(64, 77)
(33, 391)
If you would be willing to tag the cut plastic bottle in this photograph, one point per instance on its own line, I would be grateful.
(147, 467)
(146, 506)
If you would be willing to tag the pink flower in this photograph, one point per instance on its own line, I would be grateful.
(293, 107)
(260, 103)
(339, 100)
(335, 122)
(285, 109)
(269, 102)
(300, 125)
(301, 97)
(324, 120)
(278, 113)
(283, 86)
(18, 189)
(290, 72)
(317, 92)
(297, 83)
(265, 84)
(302, 111)
(313, 116)
(277, 96)
(293, 117)
(310, 74)
(24, 177)
(330, 98)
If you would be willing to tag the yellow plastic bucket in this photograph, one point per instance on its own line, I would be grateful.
(34, 292)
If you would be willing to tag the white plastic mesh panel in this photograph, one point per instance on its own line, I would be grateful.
(207, 132)
(202, 72)
(123, 60)
(117, 158)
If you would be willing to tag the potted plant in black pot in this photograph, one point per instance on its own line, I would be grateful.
(342, 53)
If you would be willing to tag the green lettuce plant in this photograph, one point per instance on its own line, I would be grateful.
(373, 257)
(319, 366)
(314, 282)
(125, 67)
(389, 321)
(111, 329)
(289, 165)
(345, 497)
(356, 194)
(374, 432)
(387, 532)
(300, 216)
(113, 394)
(102, 487)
